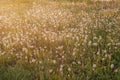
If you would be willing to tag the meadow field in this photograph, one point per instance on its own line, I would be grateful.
(59, 40)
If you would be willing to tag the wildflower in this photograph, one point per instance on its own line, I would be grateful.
(73, 53)
(116, 70)
(63, 57)
(94, 65)
(118, 44)
(73, 62)
(95, 37)
(33, 60)
(112, 66)
(40, 62)
(98, 53)
(104, 51)
(89, 43)
(69, 69)
(79, 62)
(2, 53)
(25, 50)
(51, 70)
(95, 44)
(54, 61)
(61, 68)
(106, 55)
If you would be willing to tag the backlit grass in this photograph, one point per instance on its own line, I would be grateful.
(59, 40)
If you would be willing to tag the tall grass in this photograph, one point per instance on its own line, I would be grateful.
(50, 40)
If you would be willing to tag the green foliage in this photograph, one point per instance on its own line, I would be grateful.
(14, 73)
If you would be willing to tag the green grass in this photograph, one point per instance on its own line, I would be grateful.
(59, 40)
